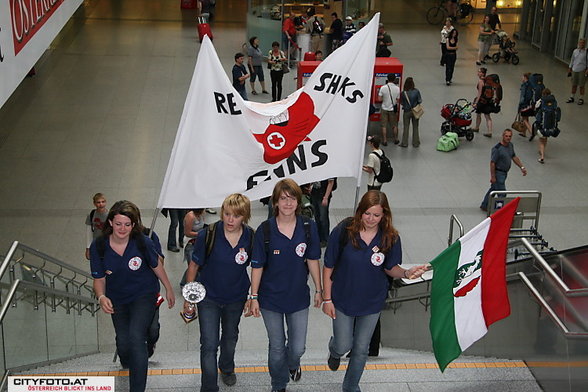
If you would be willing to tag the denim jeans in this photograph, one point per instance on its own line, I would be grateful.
(499, 185)
(131, 322)
(212, 317)
(176, 217)
(346, 337)
(284, 354)
(321, 216)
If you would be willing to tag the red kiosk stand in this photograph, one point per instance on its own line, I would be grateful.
(382, 67)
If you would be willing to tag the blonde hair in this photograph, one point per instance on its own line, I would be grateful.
(97, 197)
(239, 204)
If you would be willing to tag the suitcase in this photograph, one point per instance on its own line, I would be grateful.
(187, 4)
(203, 29)
(309, 56)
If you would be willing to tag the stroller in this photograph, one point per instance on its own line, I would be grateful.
(458, 118)
(507, 50)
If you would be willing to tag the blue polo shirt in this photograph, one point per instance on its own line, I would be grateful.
(224, 272)
(359, 285)
(129, 276)
(284, 283)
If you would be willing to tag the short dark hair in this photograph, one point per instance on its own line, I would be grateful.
(375, 140)
(275, 43)
(391, 77)
(317, 52)
(252, 40)
(334, 14)
(238, 55)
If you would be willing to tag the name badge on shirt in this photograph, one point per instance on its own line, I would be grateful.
(135, 263)
(378, 258)
(300, 249)
(241, 256)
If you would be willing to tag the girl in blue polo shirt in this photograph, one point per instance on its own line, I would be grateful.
(223, 272)
(285, 250)
(355, 280)
(126, 268)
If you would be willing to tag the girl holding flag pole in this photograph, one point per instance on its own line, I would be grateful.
(362, 251)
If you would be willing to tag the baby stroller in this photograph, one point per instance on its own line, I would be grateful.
(507, 50)
(458, 118)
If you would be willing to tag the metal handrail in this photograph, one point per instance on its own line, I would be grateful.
(498, 194)
(549, 271)
(550, 311)
(51, 259)
(455, 219)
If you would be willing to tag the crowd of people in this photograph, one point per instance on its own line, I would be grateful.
(126, 262)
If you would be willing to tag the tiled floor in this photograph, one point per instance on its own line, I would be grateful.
(102, 113)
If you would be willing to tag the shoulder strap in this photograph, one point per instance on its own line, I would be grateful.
(101, 246)
(251, 232)
(306, 225)
(343, 240)
(265, 227)
(408, 99)
(210, 237)
(92, 213)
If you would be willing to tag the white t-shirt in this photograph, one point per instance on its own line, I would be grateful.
(389, 94)
(374, 163)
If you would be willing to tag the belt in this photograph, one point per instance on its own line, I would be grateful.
(500, 170)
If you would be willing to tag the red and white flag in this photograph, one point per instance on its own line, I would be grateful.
(225, 144)
(469, 290)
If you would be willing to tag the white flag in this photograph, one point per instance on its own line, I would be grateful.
(225, 144)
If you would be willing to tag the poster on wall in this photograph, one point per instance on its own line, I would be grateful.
(27, 28)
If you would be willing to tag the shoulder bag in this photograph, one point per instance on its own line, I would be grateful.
(417, 110)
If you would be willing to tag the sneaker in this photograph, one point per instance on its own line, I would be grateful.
(296, 374)
(265, 92)
(580, 101)
(210, 211)
(396, 141)
(229, 379)
(333, 363)
(478, 63)
(448, 82)
(174, 249)
(487, 134)
(254, 92)
(541, 160)
(570, 100)
(279, 390)
(384, 143)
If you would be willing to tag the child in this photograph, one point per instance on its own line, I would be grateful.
(95, 221)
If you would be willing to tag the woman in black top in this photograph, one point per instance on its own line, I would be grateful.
(450, 55)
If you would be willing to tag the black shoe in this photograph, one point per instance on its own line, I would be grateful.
(487, 57)
(229, 379)
(384, 143)
(181, 244)
(570, 100)
(333, 363)
(279, 390)
(296, 374)
(174, 249)
(532, 135)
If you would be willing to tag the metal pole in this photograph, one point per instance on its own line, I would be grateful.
(157, 209)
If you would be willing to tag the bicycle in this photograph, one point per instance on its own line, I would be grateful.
(465, 13)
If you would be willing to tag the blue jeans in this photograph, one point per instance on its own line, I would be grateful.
(212, 317)
(356, 339)
(176, 217)
(321, 216)
(285, 354)
(131, 322)
(499, 185)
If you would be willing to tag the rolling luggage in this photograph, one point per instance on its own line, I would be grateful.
(203, 29)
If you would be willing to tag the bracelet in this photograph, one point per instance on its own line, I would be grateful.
(252, 296)
(327, 302)
(100, 296)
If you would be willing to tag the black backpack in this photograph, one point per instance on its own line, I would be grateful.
(386, 171)
(536, 82)
(548, 116)
(317, 27)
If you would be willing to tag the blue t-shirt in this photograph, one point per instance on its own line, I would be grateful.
(129, 276)
(224, 272)
(284, 283)
(502, 156)
(360, 285)
(238, 71)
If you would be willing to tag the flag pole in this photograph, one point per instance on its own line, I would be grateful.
(157, 209)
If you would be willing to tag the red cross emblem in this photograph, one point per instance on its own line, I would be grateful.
(276, 140)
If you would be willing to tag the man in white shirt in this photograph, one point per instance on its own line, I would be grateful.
(390, 94)
(373, 164)
(578, 70)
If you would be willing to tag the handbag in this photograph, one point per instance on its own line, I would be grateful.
(285, 68)
(518, 125)
(417, 110)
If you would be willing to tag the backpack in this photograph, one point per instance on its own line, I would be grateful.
(386, 171)
(491, 92)
(306, 209)
(548, 116)
(317, 26)
(210, 237)
(448, 142)
(536, 82)
(92, 213)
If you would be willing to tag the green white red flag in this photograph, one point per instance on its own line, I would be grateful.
(469, 290)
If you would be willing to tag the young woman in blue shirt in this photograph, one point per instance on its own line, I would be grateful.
(223, 272)
(126, 268)
(355, 280)
(286, 249)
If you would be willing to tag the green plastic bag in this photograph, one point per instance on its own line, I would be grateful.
(448, 142)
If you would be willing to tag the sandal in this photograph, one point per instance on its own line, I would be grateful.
(541, 160)
(487, 134)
